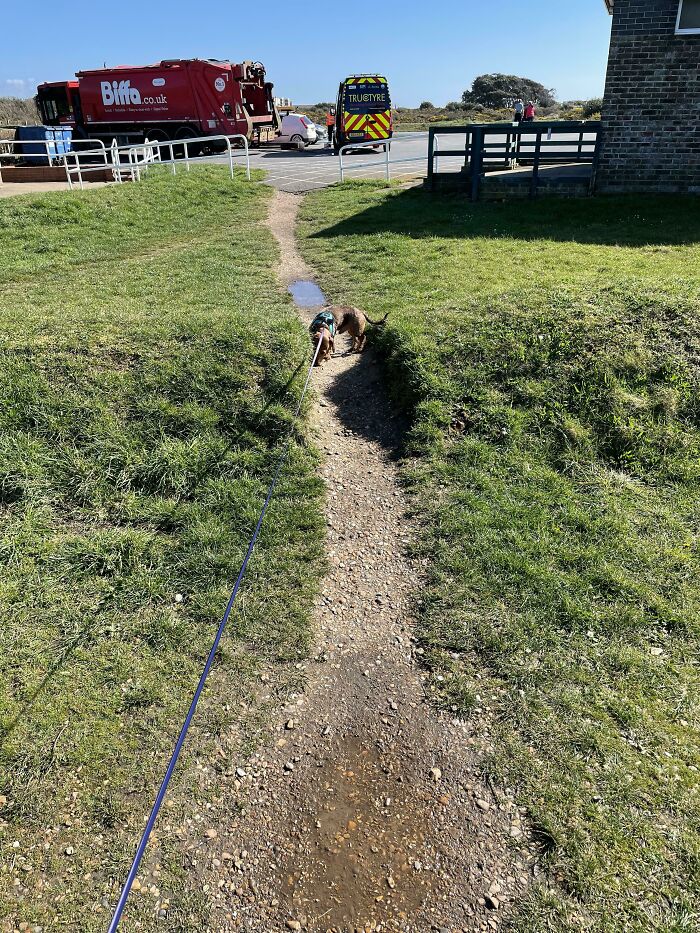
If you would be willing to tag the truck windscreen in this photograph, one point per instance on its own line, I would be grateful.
(366, 98)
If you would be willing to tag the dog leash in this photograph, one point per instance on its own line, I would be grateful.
(143, 843)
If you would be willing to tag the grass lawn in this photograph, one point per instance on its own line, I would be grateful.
(149, 368)
(549, 355)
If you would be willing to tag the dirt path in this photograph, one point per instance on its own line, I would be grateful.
(365, 812)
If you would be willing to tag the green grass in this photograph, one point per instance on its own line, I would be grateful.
(149, 368)
(549, 356)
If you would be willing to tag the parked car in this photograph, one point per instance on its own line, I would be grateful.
(321, 132)
(297, 130)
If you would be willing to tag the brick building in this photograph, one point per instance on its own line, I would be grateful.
(651, 113)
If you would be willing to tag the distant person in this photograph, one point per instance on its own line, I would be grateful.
(330, 124)
(519, 108)
(530, 111)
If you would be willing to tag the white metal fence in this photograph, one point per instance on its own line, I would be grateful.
(383, 162)
(129, 161)
(13, 150)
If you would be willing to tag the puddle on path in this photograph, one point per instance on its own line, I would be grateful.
(358, 834)
(307, 294)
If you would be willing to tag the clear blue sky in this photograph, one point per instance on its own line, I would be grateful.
(428, 50)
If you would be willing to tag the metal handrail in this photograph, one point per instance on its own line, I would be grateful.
(141, 155)
(373, 145)
(48, 144)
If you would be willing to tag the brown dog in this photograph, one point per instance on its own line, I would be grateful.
(353, 321)
(325, 337)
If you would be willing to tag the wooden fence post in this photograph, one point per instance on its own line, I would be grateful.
(431, 157)
(476, 162)
(534, 181)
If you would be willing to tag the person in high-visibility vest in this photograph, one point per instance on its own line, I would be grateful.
(330, 125)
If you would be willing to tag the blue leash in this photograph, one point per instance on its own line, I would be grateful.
(141, 849)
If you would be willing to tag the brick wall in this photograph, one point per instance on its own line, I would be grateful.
(651, 114)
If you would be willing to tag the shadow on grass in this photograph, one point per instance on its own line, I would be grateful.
(363, 405)
(611, 221)
(6, 729)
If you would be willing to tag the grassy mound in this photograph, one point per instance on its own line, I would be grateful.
(149, 371)
(549, 354)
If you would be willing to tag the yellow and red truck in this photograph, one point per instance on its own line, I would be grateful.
(363, 111)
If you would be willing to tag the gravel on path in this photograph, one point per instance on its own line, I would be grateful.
(367, 810)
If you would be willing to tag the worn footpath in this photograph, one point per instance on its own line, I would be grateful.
(365, 812)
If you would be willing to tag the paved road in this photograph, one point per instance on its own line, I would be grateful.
(317, 167)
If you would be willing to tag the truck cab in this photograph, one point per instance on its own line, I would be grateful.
(58, 103)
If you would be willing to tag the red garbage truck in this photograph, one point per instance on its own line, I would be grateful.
(174, 99)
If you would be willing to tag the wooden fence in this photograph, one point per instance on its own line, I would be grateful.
(495, 146)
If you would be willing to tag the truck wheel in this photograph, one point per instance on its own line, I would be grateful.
(186, 132)
(156, 135)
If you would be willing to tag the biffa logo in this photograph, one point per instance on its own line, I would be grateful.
(119, 92)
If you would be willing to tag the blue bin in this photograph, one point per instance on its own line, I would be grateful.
(33, 138)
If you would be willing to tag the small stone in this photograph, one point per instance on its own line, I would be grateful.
(491, 902)
(3, 800)
(657, 652)
(240, 772)
(289, 724)
(483, 804)
(289, 766)
(211, 834)
(70, 850)
(390, 881)
(136, 886)
(293, 925)
(436, 774)
(179, 597)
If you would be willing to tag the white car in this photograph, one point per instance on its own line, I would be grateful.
(297, 130)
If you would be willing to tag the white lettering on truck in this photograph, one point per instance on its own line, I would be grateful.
(119, 93)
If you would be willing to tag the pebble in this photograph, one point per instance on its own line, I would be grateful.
(293, 925)
(491, 902)
(211, 834)
(290, 724)
(240, 772)
(483, 804)
(436, 774)
(289, 766)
